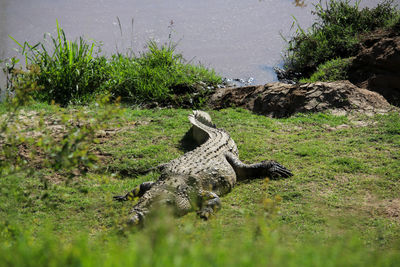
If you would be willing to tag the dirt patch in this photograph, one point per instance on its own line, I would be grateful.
(283, 100)
(392, 209)
(389, 208)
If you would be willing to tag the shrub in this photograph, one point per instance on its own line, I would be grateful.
(335, 34)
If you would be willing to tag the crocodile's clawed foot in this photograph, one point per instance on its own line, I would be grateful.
(210, 204)
(276, 170)
(138, 191)
(205, 213)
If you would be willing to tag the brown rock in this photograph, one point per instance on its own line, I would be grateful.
(282, 100)
(377, 65)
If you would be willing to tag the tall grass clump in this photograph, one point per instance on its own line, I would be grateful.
(74, 72)
(158, 74)
(69, 71)
(332, 70)
(336, 33)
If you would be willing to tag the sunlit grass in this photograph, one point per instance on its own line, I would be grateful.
(338, 209)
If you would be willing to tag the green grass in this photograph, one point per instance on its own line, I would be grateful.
(159, 75)
(74, 72)
(338, 209)
(335, 34)
(332, 70)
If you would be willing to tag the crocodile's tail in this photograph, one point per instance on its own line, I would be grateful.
(202, 126)
(201, 116)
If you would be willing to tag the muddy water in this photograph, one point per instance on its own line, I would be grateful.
(239, 39)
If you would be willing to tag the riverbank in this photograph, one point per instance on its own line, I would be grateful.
(62, 161)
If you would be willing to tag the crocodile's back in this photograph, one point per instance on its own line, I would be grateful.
(208, 160)
(199, 177)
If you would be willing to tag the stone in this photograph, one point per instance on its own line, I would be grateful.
(376, 67)
(283, 100)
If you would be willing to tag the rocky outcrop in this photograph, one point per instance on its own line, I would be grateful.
(282, 100)
(377, 65)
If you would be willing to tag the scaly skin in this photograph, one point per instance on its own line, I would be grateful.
(197, 179)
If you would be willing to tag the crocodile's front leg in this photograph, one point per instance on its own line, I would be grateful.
(210, 203)
(265, 168)
(137, 192)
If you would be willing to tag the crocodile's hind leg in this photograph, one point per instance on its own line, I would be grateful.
(210, 203)
(265, 168)
(137, 192)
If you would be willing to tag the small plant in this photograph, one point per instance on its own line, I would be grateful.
(271, 206)
(24, 85)
(332, 70)
(26, 141)
(72, 150)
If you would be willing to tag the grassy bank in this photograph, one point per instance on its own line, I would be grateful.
(341, 207)
(322, 52)
(61, 165)
(74, 72)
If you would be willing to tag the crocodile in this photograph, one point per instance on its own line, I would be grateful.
(196, 180)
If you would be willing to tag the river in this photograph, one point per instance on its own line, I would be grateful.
(239, 39)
